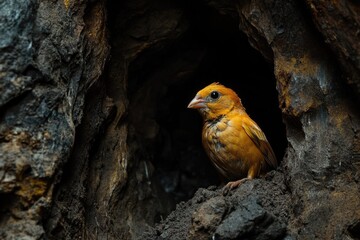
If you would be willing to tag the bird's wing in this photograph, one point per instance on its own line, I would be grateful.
(259, 138)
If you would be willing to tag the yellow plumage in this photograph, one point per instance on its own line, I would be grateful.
(234, 143)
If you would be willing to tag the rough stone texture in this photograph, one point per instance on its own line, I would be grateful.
(339, 23)
(258, 208)
(51, 53)
(83, 147)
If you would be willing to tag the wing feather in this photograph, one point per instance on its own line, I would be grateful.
(259, 138)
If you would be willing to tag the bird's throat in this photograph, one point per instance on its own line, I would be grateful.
(214, 121)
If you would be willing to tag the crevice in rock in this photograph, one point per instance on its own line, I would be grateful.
(13, 103)
(354, 230)
(8, 202)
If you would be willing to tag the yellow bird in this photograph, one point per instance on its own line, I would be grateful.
(235, 144)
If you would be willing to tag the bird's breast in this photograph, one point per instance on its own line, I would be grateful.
(220, 140)
(212, 134)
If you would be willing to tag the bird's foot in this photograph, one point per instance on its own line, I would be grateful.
(232, 185)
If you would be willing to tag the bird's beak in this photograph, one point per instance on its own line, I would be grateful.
(197, 103)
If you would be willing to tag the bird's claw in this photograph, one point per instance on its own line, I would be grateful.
(232, 185)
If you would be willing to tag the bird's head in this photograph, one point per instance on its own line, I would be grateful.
(215, 100)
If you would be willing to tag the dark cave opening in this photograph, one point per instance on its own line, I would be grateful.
(230, 60)
(166, 76)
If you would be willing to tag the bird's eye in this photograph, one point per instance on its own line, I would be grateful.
(214, 95)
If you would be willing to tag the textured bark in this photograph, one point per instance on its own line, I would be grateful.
(96, 143)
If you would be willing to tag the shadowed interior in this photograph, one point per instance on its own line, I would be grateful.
(163, 80)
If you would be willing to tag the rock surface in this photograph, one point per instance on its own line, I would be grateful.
(96, 142)
(51, 54)
(257, 208)
(339, 23)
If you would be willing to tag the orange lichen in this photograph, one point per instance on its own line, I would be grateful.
(303, 65)
(31, 189)
(288, 69)
(67, 4)
(23, 139)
